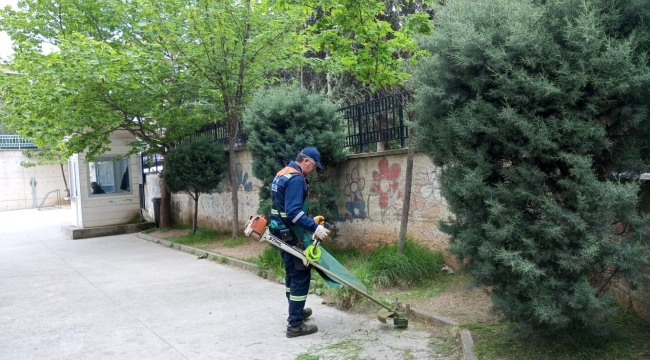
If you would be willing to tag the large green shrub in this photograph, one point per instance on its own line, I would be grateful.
(282, 121)
(195, 167)
(537, 112)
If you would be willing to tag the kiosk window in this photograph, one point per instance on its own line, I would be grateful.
(109, 176)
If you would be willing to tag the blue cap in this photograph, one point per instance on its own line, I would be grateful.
(313, 153)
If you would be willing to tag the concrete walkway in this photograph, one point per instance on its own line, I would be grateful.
(122, 297)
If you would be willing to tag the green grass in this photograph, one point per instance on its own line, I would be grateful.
(202, 235)
(270, 263)
(149, 231)
(629, 339)
(240, 240)
(415, 266)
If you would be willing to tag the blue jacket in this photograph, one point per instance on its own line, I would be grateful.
(288, 193)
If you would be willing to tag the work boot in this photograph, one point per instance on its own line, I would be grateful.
(300, 330)
(306, 312)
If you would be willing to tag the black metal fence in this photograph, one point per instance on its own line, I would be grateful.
(216, 132)
(376, 121)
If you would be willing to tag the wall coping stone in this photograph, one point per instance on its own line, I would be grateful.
(376, 154)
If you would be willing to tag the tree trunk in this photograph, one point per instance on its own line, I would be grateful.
(235, 185)
(196, 212)
(165, 208)
(65, 181)
(407, 198)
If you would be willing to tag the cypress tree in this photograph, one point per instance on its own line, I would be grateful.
(537, 112)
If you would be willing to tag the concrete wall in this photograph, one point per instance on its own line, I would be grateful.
(369, 208)
(15, 188)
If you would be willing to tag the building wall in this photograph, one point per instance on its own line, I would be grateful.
(15, 188)
(369, 208)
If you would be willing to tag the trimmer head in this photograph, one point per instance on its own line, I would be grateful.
(400, 315)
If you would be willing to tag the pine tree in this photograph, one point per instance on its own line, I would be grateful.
(537, 113)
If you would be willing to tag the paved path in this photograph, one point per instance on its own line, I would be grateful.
(122, 297)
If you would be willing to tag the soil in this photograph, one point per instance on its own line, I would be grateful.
(456, 302)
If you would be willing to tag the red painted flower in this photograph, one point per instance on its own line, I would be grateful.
(385, 182)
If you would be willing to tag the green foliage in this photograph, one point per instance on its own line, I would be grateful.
(537, 114)
(359, 37)
(415, 266)
(100, 79)
(195, 167)
(280, 122)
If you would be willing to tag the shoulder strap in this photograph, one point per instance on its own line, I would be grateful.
(288, 172)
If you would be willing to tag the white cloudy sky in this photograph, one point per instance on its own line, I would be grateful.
(5, 41)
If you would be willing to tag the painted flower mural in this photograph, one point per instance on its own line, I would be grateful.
(355, 185)
(385, 183)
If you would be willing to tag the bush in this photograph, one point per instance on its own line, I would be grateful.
(195, 167)
(537, 114)
(280, 122)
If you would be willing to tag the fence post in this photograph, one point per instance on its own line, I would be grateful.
(401, 120)
(358, 110)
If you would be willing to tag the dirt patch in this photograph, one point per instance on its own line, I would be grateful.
(250, 249)
(464, 306)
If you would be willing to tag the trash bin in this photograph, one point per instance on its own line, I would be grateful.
(156, 210)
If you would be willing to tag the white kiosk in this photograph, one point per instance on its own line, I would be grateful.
(105, 191)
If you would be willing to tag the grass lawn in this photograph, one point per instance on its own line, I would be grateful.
(629, 339)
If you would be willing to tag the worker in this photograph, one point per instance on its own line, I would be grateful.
(289, 222)
(96, 189)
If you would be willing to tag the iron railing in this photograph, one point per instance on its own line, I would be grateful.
(375, 121)
(216, 132)
(151, 163)
(15, 142)
(58, 199)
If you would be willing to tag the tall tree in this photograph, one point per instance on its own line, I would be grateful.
(228, 48)
(537, 114)
(375, 41)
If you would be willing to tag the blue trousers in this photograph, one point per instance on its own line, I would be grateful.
(297, 286)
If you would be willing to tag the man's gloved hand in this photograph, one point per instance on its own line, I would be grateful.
(320, 219)
(321, 233)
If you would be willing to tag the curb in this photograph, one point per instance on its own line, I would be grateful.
(465, 336)
(211, 256)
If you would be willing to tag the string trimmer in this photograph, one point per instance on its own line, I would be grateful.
(257, 230)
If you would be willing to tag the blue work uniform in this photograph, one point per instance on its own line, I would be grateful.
(289, 193)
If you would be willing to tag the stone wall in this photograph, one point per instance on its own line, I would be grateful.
(369, 209)
(15, 182)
